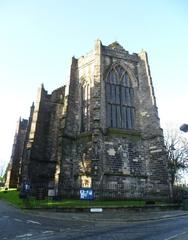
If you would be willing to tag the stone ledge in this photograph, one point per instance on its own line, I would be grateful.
(124, 132)
(84, 134)
(108, 208)
(126, 175)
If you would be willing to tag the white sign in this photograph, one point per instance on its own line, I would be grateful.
(96, 210)
(51, 192)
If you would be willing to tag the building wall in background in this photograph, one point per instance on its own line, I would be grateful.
(104, 134)
(13, 171)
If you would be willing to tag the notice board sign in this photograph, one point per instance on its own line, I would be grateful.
(86, 193)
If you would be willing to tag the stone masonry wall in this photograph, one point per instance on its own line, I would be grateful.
(67, 154)
(120, 159)
(43, 149)
(12, 180)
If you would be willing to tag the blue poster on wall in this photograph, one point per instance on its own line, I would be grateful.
(86, 193)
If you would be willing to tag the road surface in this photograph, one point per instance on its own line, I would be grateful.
(16, 224)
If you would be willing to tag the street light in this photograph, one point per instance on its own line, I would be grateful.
(184, 127)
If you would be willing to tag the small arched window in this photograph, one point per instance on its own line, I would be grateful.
(119, 99)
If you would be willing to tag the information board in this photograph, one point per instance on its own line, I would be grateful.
(86, 193)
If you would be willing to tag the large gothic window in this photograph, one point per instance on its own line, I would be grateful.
(119, 98)
(85, 107)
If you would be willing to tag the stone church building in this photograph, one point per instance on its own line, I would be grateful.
(13, 168)
(105, 133)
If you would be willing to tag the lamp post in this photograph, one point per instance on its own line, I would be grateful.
(184, 128)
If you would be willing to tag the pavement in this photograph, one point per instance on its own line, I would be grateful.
(111, 216)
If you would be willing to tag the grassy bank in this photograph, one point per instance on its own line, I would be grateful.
(12, 196)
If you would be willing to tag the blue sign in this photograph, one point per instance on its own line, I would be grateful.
(86, 193)
(184, 128)
(25, 186)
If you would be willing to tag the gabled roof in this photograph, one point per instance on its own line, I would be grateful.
(116, 45)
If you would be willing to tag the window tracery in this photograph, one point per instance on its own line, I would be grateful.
(120, 99)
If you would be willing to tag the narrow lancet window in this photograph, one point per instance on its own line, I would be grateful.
(85, 107)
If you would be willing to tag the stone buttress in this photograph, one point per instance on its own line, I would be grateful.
(112, 139)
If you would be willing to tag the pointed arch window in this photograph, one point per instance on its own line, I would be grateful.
(120, 99)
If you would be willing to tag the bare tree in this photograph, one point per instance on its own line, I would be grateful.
(1, 173)
(2, 168)
(177, 152)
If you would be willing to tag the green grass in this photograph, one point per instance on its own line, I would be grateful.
(84, 203)
(12, 196)
(95, 203)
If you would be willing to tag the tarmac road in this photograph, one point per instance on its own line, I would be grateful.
(16, 224)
